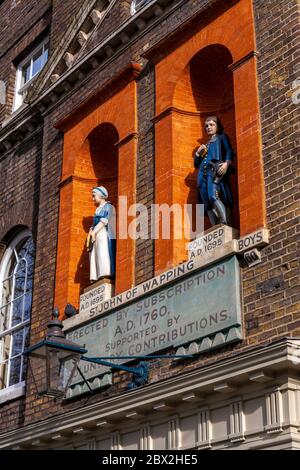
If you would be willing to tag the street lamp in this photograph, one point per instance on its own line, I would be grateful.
(54, 361)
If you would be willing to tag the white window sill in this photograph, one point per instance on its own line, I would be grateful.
(13, 392)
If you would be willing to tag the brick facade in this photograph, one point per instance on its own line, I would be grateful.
(20, 25)
(31, 173)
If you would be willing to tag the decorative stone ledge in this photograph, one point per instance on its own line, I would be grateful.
(276, 358)
(209, 343)
(95, 384)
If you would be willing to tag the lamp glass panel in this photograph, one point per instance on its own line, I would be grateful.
(38, 362)
(62, 367)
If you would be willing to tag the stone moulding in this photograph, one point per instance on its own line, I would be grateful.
(95, 383)
(277, 358)
(223, 338)
(90, 64)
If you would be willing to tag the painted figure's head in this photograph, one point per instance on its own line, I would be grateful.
(99, 194)
(213, 126)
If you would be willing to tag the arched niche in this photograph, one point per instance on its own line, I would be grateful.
(100, 148)
(102, 142)
(205, 88)
(97, 164)
(184, 99)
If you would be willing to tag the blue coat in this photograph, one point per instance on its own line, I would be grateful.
(220, 150)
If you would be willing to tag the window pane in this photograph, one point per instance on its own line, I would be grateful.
(20, 340)
(45, 54)
(27, 305)
(17, 342)
(15, 370)
(4, 317)
(20, 278)
(25, 73)
(11, 266)
(27, 251)
(37, 62)
(19, 292)
(24, 358)
(17, 311)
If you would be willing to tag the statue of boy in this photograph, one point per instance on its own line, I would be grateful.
(214, 161)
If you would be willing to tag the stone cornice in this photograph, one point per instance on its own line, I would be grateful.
(113, 46)
(18, 128)
(242, 368)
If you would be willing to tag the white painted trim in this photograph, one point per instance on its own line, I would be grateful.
(18, 99)
(9, 252)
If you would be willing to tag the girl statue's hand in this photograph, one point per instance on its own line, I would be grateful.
(93, 235)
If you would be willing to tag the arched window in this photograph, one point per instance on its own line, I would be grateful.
(16, 282)
(137, 5)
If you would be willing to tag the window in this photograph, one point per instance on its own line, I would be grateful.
(138, 5)
(16, 280)
(28, 69)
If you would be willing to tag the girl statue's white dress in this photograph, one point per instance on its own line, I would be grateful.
(102, 256)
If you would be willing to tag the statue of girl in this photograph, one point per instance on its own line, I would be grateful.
(102, 236)
(214, 161)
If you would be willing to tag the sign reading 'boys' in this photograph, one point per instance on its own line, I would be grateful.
(200, 304)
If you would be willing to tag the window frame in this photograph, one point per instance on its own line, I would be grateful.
(10, 392)
(19, 90)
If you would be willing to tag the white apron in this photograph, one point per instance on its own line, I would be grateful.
(99, 256)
